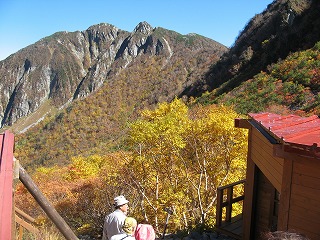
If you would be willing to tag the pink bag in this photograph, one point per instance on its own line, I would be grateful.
(145, 232)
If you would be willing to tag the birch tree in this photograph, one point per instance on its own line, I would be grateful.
(181, 157)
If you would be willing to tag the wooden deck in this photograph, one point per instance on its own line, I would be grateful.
(232, 228)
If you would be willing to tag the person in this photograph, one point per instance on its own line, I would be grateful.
(128, 227)
(114, 221)
(144, 232)
(283, 235)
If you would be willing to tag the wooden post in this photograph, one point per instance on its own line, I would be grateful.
(219, 207)
(229, 203)
(6, 181)
(285, 195)
(46, 205)
(249, 194)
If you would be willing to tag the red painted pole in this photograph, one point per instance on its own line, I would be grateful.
(6, 183)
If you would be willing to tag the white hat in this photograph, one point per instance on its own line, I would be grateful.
(120, 200)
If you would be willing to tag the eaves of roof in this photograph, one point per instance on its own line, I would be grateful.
(295, 132)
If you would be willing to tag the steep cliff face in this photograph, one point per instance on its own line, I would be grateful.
(69, 65)
(52, 68)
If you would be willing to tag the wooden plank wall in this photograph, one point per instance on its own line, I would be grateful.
(304, 212)
(263, 208)
(262, 155)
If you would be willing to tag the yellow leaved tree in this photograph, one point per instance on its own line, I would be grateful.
(215, 155)
(157, 138)
(180, 158)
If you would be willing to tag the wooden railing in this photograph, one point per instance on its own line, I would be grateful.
(24, 222)
(9, 167)
(225, 199)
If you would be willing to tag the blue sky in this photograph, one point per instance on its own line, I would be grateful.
(23, 22)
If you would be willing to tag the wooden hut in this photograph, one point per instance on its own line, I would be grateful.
(282, 188)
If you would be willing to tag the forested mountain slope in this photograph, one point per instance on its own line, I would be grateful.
(285, 26)
(148, 66)
(291, 85)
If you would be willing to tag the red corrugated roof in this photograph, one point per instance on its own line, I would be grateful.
(291, 129)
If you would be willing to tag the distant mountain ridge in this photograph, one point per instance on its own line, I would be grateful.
(70, 65)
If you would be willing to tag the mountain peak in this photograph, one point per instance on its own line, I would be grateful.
(143, 27)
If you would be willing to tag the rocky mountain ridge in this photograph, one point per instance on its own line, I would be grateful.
(69, 65)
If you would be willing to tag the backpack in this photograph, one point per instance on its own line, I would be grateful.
(145, 232)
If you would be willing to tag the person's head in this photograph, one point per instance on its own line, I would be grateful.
(121, 203)
(282, 235)
(129, 225)
(145, 232)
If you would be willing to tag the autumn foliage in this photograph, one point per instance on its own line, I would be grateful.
(176, 157)
(291, 85)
